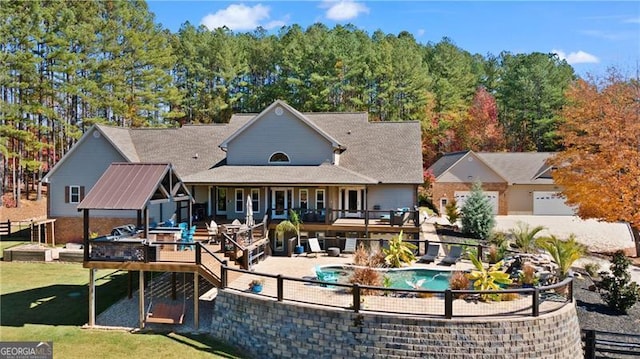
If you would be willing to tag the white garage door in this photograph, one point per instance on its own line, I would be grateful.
(551, 203)
(461, 197)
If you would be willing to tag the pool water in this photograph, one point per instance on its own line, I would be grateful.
(431, 279)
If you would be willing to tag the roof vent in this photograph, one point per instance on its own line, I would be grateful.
(195, 156)
(349, 132)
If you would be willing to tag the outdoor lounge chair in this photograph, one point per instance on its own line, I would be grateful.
(350, 245)
(314, 246)
(432, 253)
(212, 232)
(454, 255)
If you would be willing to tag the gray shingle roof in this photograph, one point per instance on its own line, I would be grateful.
(387, 152)
(445, 162)
(313, 175)
(518, 167)
(515, 167)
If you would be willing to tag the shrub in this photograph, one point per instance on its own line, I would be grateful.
(563, 252)
(499, 238)
(366, 276)
(617, 289)
(525, 237)
(509, 296)
(377, 260)
(459, 281)
(399, 251)
(592, 269)
(528, 275)
(452, 212)
(495, 253)
(361, 256)
(478, 219)
(488, 279)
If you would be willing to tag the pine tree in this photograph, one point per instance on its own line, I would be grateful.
(477, 214)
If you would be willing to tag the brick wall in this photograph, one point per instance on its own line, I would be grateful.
(447, 190)
(270, 329)
(70, 229)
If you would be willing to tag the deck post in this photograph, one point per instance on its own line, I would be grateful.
(141, 299)
(173, 286)
(92, 297)
(85, 235)
(129, 285)
(196, 298)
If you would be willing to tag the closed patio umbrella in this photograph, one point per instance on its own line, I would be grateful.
(249, 215)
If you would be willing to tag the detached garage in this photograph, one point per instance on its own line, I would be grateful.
(551, 203)
(461, 198)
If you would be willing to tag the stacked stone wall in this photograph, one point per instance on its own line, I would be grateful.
(271, 329)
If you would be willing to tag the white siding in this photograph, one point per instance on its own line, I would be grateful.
(391, 196)
(83, 167)
(284, 133)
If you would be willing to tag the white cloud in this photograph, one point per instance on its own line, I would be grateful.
(344, 9)
(578, 57)
(239, 17)
(421, 32)
(633, 20)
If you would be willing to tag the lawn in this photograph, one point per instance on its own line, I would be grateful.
(8, 244)
(48, 302)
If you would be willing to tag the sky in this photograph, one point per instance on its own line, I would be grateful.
(591, 35)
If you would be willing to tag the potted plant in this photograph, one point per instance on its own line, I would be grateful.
(291, 225)
(256, 285)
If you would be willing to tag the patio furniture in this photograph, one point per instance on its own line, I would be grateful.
(350, 245)
(455, 253)
(314, 246)
(432, 253)
(333, 252)
(212, 232)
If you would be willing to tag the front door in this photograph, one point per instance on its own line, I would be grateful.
(280, 202)
(221, 202)
(352, 202)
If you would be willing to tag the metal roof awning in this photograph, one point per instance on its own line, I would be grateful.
(132, 186)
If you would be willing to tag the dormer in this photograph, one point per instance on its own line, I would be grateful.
(280, 135)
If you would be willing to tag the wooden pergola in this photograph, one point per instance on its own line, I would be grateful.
(134, 186)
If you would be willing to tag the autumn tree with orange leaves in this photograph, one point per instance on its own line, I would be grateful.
(599, 167)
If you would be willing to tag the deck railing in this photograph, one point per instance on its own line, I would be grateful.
(531, 302)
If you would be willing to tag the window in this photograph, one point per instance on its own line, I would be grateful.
(239, 200)
(255, 199)
(304, 194)
(319, 199)
(73, 194)
(279, 157)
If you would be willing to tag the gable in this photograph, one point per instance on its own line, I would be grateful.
(279, 130)
(470, 168)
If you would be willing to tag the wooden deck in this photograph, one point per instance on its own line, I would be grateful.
(358, 225)
(174, 261)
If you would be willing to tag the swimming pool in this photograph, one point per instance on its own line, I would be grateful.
(400, 277)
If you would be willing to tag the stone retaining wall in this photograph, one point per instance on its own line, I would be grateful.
(270, 329)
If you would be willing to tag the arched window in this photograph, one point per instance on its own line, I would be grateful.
(279, 157)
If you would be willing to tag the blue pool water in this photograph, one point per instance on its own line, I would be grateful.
(432, 279)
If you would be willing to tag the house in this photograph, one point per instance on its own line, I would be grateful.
(327, 166)
(515, 183)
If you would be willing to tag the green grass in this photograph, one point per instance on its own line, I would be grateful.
(8, 244)
(48, 302)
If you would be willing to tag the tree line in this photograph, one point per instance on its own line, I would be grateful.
(69, 64)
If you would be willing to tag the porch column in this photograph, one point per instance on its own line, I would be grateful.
(92, 297)
(146, 222)
(85, 221)
(196, 297)
(141, 299)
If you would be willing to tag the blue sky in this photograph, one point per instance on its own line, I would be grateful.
(591, 35)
